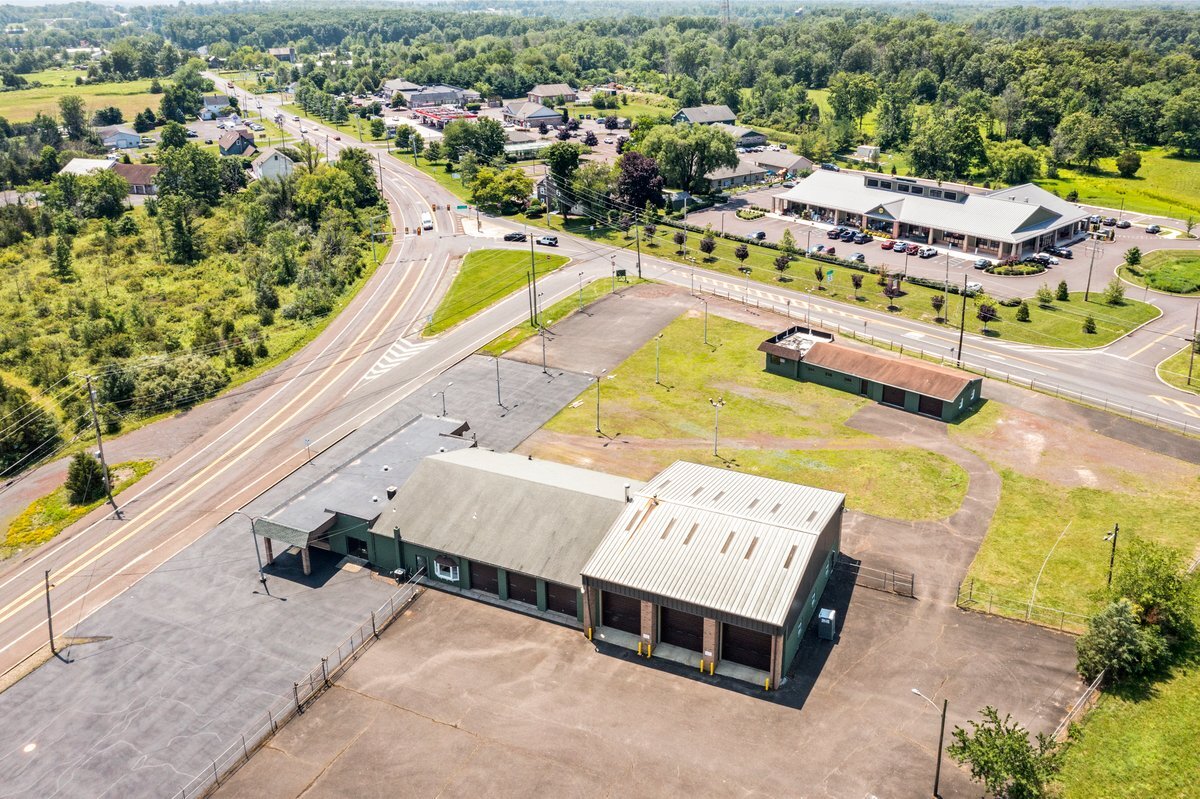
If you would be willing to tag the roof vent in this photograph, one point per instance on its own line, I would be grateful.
(391, 492)
(374, 499)
(441, 449)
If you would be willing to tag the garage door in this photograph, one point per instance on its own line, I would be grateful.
(682, 629)
(485, 578)
(893, 396)
(522, 588)
(930, 406)
(562, 598)
(747, 647)
(621, 612)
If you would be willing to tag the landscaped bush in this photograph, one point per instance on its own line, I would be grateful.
(1015, 269)
(750, 214)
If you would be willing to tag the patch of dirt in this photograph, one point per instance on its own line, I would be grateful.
(1074, 457)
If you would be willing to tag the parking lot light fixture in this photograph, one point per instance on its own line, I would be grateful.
(717, 404)
(937, 773)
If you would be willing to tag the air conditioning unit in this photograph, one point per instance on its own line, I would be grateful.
(827, 624)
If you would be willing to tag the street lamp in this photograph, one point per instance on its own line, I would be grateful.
(717, 404)
(705, 318)
(1112, 555)
(657, 358)
(937, 774)
(498, 400)
(581, 291)
(262, 577)
(442, 393)
(542, 331)
(602, 371)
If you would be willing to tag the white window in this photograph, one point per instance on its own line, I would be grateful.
(445, 569)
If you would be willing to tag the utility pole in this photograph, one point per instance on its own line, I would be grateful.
(542, 330)
(581, 291)
(1192, 353)
(533, 289)
(962, 322)
(717, 405)
(379, 161)
(657, 359)
(529, 290)
(598, 403)
(638, 232)
(1112, 555)
(100, 446)
(612, 260)
(1088, 288)
(498, 400)
(49, 615)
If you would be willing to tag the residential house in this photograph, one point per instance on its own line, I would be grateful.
(781, 162)
(211, 109)
(529, 115)
(116, 137)
(743, 137)
(552, 94)
(705, 115)
(287, 54)
(271, 164)
(236, 142)
(140, 177)
(744, 174)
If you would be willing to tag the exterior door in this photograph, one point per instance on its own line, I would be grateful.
(562, 599)
(522, 588)
(893, 396)
(930, 406)
(485, 578)
(356, 547)
(621, 612)
(682, 629)
(747, 647)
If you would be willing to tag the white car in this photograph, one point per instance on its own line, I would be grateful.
(295, 119)
(608, 141)
(926, 252)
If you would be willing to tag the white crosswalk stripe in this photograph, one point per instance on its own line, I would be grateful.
(397, 354)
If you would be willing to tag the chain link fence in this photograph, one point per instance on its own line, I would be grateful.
(1079, 709)
(988, 601)
(301, 695)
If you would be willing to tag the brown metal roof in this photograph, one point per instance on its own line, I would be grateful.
(910, 375)
(137, 174)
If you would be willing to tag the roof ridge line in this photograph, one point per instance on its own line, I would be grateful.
(725, 513)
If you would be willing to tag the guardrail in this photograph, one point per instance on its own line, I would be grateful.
(303, 693)
(1047, 387)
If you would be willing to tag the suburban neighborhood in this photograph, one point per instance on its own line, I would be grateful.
(690, 400)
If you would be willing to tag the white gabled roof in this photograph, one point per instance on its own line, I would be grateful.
(1010, 215)
(84, 166)
(735, 543)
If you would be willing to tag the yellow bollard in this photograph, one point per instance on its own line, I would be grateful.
(639, 648)
(710, 667)
(767, 684)
(701, 665)
(649, 650)
(589, 633)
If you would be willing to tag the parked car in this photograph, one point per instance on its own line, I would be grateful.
(1061, 252)
(515, 236)
(858, 256)
(1109, 221)
(912, 249)
(848, 235)
(1153, 229)
(1046, 258)
(974, 288)
(1124, 224)
(831, 251)
(1094, 219)
(608, 141)
(759, 235)
(835, 233)
(208, 141)
(548, 241)
(191, 134)
(926, 252)
(831, 167)
(816, 249)
(863, 238)
(887, 244)
(295, 119)
(789, 184)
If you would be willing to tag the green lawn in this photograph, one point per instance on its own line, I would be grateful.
(1175, 370)
(639, 105)
(50, 515)
(130, 96)
(484, 277)
(769, 425)
(1166, 184)
(1175, 271)
(555, 313)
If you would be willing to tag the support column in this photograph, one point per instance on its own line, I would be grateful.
(305, 561)
(649, 622)
(776, 660)
(589, 609)
(712, 644)
(270, 556)
(896, 229)
(929, 238)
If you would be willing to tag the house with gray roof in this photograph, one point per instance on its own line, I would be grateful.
(1008, 223)
(705, 115)
(742, 137)
(529, 115)
(746, 173)
(552, 93)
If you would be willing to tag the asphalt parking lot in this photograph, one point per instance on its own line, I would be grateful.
(460, 698)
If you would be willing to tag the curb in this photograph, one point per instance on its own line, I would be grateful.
(1160, 379)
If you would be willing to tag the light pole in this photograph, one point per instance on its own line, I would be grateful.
(657, 358)
(962, 323)
(542, 331)
(1112, 555)
(49, 615)
(746, 287)
(602, 371)
(612, 260)
(937, 773)
(498, 401)
(442, 393)
(262, 577)
(717, 404)
(705, 318)
(581, 291)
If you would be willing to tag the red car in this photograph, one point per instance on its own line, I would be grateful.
(830, 251)
(912, 249)
(888, 244)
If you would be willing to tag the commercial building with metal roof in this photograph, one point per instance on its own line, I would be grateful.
(705, 115)
(715, 568)
(1007, 223)
(811, 355)
(503, 526)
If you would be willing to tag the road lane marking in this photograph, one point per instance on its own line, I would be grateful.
(1150, 344)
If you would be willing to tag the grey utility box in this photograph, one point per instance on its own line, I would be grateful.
(827, 624)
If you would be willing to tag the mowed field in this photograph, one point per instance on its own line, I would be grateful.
(23, 105)
(1166, 184)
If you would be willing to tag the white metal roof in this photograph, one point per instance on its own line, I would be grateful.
(1011, 215)
(84, 166)
(735, 543)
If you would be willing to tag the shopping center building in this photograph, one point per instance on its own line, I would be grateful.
(1008, 223)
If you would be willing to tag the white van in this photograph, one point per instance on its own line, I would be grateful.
(426, 221)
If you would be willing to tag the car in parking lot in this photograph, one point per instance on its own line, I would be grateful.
(911, 249)
(1153, 229)
(831, 167)
(848, 235)
(191, 134)
(831, 251)
(548, 241)
(1046, 258)
(608, 141)
(974, 287)
(816, 249)
(1061, 252)
(789, 184)
(982, 263)
(887, 244)
(758, 235)
(515, 236)
(1109, 221)
(926, 252)
(858, 256)
(863, 238)
(835, 233)
(1094, 219)
(1124, 224)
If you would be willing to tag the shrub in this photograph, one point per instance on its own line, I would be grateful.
(1154, 578)
(1118, 643)
(938, 301)
(85, 479)
(707, 245)
(1011, 302)
(1114, 292)
(1023, 312)
(1044, 296)
(1089, 325)
(1062, 295)
(986, 313)
(1128, 163)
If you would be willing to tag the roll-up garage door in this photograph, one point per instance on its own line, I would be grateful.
(485, 578)
(621, 612)
(930, 406)
(562, 598)
(748, 647)
(522, 588)
(893, 396)
(681, 628)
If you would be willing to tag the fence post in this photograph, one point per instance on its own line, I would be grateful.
(245, 753)
(296, 694)
(271, 721)
(374, 632)
(324, 670)
(216, 779)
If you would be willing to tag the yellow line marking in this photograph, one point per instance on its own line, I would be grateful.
(1151, 343)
